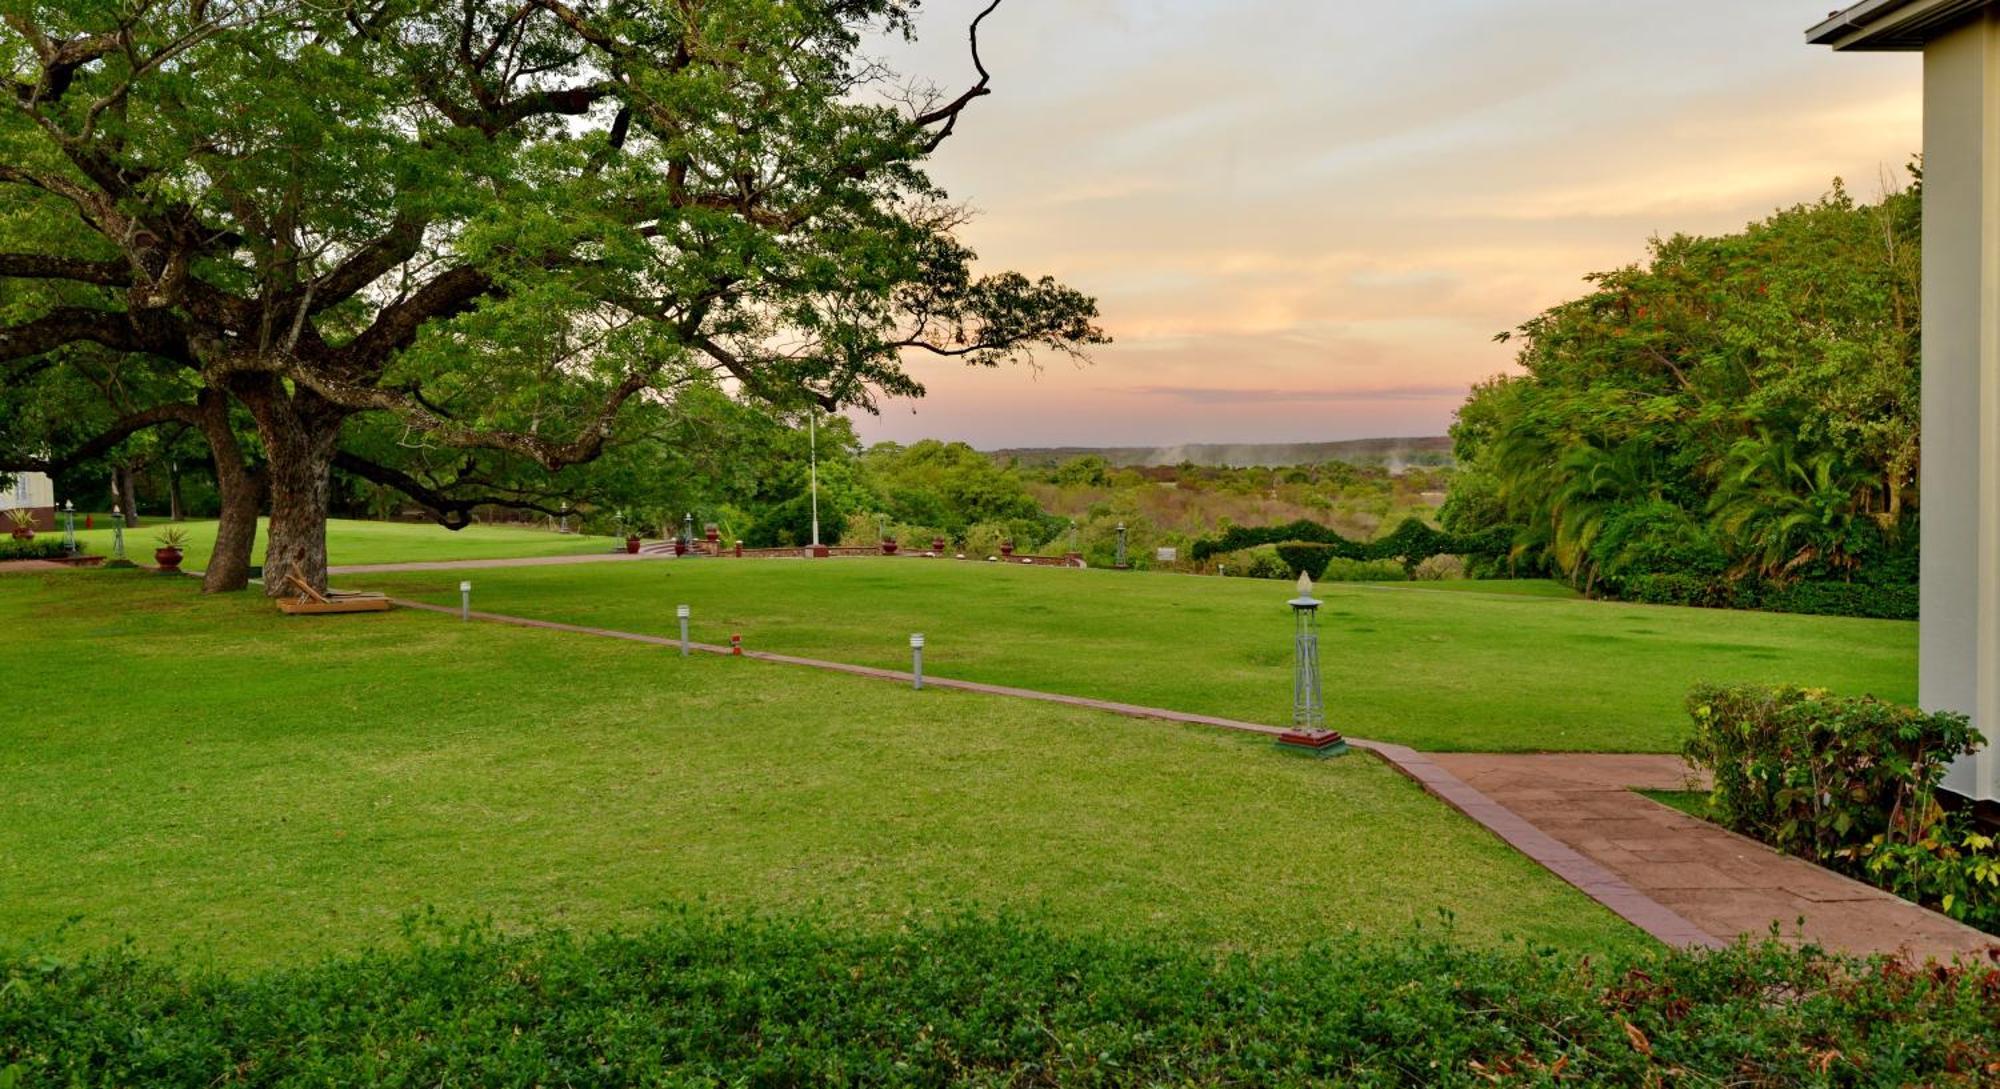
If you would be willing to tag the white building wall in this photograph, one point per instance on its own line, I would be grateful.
(1959, 655)
(28, 490)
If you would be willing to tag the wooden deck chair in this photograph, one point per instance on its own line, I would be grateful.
(311, 602)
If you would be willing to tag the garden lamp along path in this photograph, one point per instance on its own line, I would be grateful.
(1308, 733)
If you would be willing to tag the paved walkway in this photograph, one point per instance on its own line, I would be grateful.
(1685, 881)
(31, 565)
(1722, 882)
(519, 561)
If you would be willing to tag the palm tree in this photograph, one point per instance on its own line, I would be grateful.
(1785, 509)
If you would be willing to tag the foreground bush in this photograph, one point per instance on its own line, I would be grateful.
(1851, 784)
(701, 1001)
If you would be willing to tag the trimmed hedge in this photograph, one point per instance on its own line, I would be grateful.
(702, 1001)
(1412, 542)
(1851, 784)
(1882, 602)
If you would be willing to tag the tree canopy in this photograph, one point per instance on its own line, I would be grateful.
(448, 244)
(1743, 406)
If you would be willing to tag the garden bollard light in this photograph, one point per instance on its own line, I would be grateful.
(682, 612)
(736, 645)
(465, 601)
(917, 660)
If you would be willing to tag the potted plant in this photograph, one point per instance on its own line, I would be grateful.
(889, 546)
(168, 555)
(23, 522)
(937, 544)
(1007, 547)
(712, 532)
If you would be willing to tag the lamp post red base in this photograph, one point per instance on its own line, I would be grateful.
(820, 552)
(1313, 742)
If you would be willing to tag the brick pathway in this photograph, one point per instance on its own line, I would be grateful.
(1686, 882)
(1722, 882)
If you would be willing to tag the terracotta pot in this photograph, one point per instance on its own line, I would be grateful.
(889, 548)
(169, 559)
(24, 533)
(1006, 548)
(632, 545)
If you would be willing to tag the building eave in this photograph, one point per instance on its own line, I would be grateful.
(1893, 25)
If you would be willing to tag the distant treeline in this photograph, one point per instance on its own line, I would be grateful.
(1431, 453)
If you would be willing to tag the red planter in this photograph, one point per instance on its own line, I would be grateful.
(169, 559)
(713, 534)
(937, 544)
(889, 548)
(680, 547)
(24, 533)
(632, 546)
(1006, 548)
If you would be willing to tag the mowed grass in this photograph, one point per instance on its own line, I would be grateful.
(1460, 671)
(357, 542)
(205, 775)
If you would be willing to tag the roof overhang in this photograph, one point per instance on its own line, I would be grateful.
(1886, 25)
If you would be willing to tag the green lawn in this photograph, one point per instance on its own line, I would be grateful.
(1695, 803)
(1440, 671)
(362, 542)
(202, 773)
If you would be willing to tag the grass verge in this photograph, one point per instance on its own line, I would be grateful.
(211, 776)
(1439, 671)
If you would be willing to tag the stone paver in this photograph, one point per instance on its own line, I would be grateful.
(1724, 883)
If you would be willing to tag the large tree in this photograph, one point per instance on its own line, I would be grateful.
(495, 224)
(1745, 404)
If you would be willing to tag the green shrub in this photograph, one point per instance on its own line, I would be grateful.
(705, 1001)
(1850, 783)
(1310, 559)
(1896, 601)
(1412, 542)
(1363, 571)
(38, 548)
(1888, 602)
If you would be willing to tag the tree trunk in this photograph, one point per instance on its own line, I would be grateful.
(242, 493)
(121, 487)
(176, 510)
(300, 432)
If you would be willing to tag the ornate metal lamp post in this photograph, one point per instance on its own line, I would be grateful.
(118, 536)
(1120, 563)
(1308, 733)
(69, 527)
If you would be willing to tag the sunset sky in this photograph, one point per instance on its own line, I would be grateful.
(1306, 219)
